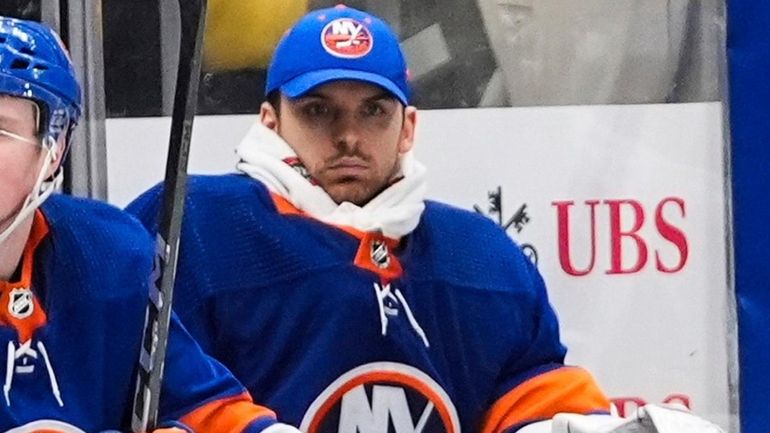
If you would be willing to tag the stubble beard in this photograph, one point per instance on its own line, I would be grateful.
(361, 192)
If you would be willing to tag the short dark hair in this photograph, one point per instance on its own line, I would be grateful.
(274, 99)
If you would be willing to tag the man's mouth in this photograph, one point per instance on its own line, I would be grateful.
(348, 167)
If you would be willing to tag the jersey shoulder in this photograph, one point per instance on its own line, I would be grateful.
(99, 248)
(234, 238)
(470, 249)
(205, 195)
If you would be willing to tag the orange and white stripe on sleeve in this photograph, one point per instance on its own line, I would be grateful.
(565, 389)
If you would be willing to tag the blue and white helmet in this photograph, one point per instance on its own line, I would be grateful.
(35, 65)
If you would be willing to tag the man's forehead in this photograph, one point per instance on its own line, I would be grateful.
(347, 89)
(16, 109)
(15, 101)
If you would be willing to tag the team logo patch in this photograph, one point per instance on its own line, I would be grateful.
(380, 255)
(382, 397)
(46, 426)
(347, 38)
(20, 303)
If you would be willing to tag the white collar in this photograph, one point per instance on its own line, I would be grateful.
(395, 212)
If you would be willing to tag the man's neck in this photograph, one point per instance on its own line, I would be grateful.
(12, 249)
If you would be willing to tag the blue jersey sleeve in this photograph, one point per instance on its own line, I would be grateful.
(537, 385)
(191, 303)
(200, 392)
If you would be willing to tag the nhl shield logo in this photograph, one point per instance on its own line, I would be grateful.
(20, 303)
(380, 255)
(347, 38)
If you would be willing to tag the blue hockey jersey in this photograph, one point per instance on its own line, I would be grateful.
(71, 327)
(446, 330)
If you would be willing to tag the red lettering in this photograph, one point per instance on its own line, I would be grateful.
(682, 399)
(617, 234)
(623, 240)
(565, 259)
(671, 234)
(627, 405)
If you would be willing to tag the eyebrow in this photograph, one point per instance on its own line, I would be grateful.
(309, 95)
(383, 95)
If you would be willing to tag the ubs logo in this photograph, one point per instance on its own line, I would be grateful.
(382, 397)
(517, 221)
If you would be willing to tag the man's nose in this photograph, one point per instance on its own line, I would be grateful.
(347, 133)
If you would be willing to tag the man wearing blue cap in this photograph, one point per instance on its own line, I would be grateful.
(341, 297)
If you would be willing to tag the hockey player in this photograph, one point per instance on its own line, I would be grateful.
(323, 278)
(73, 277)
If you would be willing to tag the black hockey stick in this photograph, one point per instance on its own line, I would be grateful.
(158, 316)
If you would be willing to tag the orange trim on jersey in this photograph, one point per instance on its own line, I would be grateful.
(227, 415)
(387, 271)
(285, 207)
(567, 389)
(22, 289)
(47, 431)
(383, 376)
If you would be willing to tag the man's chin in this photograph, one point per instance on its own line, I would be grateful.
(350, 192)
(357, 200)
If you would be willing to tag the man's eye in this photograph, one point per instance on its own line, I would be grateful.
(373, 110)
(316, 110)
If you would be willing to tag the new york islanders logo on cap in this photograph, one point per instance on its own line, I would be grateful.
(347, 38)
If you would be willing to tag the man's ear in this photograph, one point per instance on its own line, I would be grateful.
(59, 149)
(407, 130)
(268, 115)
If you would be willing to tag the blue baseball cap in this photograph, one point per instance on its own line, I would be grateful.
(339, 43)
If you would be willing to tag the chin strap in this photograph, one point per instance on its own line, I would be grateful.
(41, 191)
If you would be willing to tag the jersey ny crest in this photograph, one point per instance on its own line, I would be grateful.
(347, 38)
(382, 397)
(47, 426)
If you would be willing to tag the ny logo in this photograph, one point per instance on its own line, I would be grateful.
(382, 397)
(388, 407)
(346, 27)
